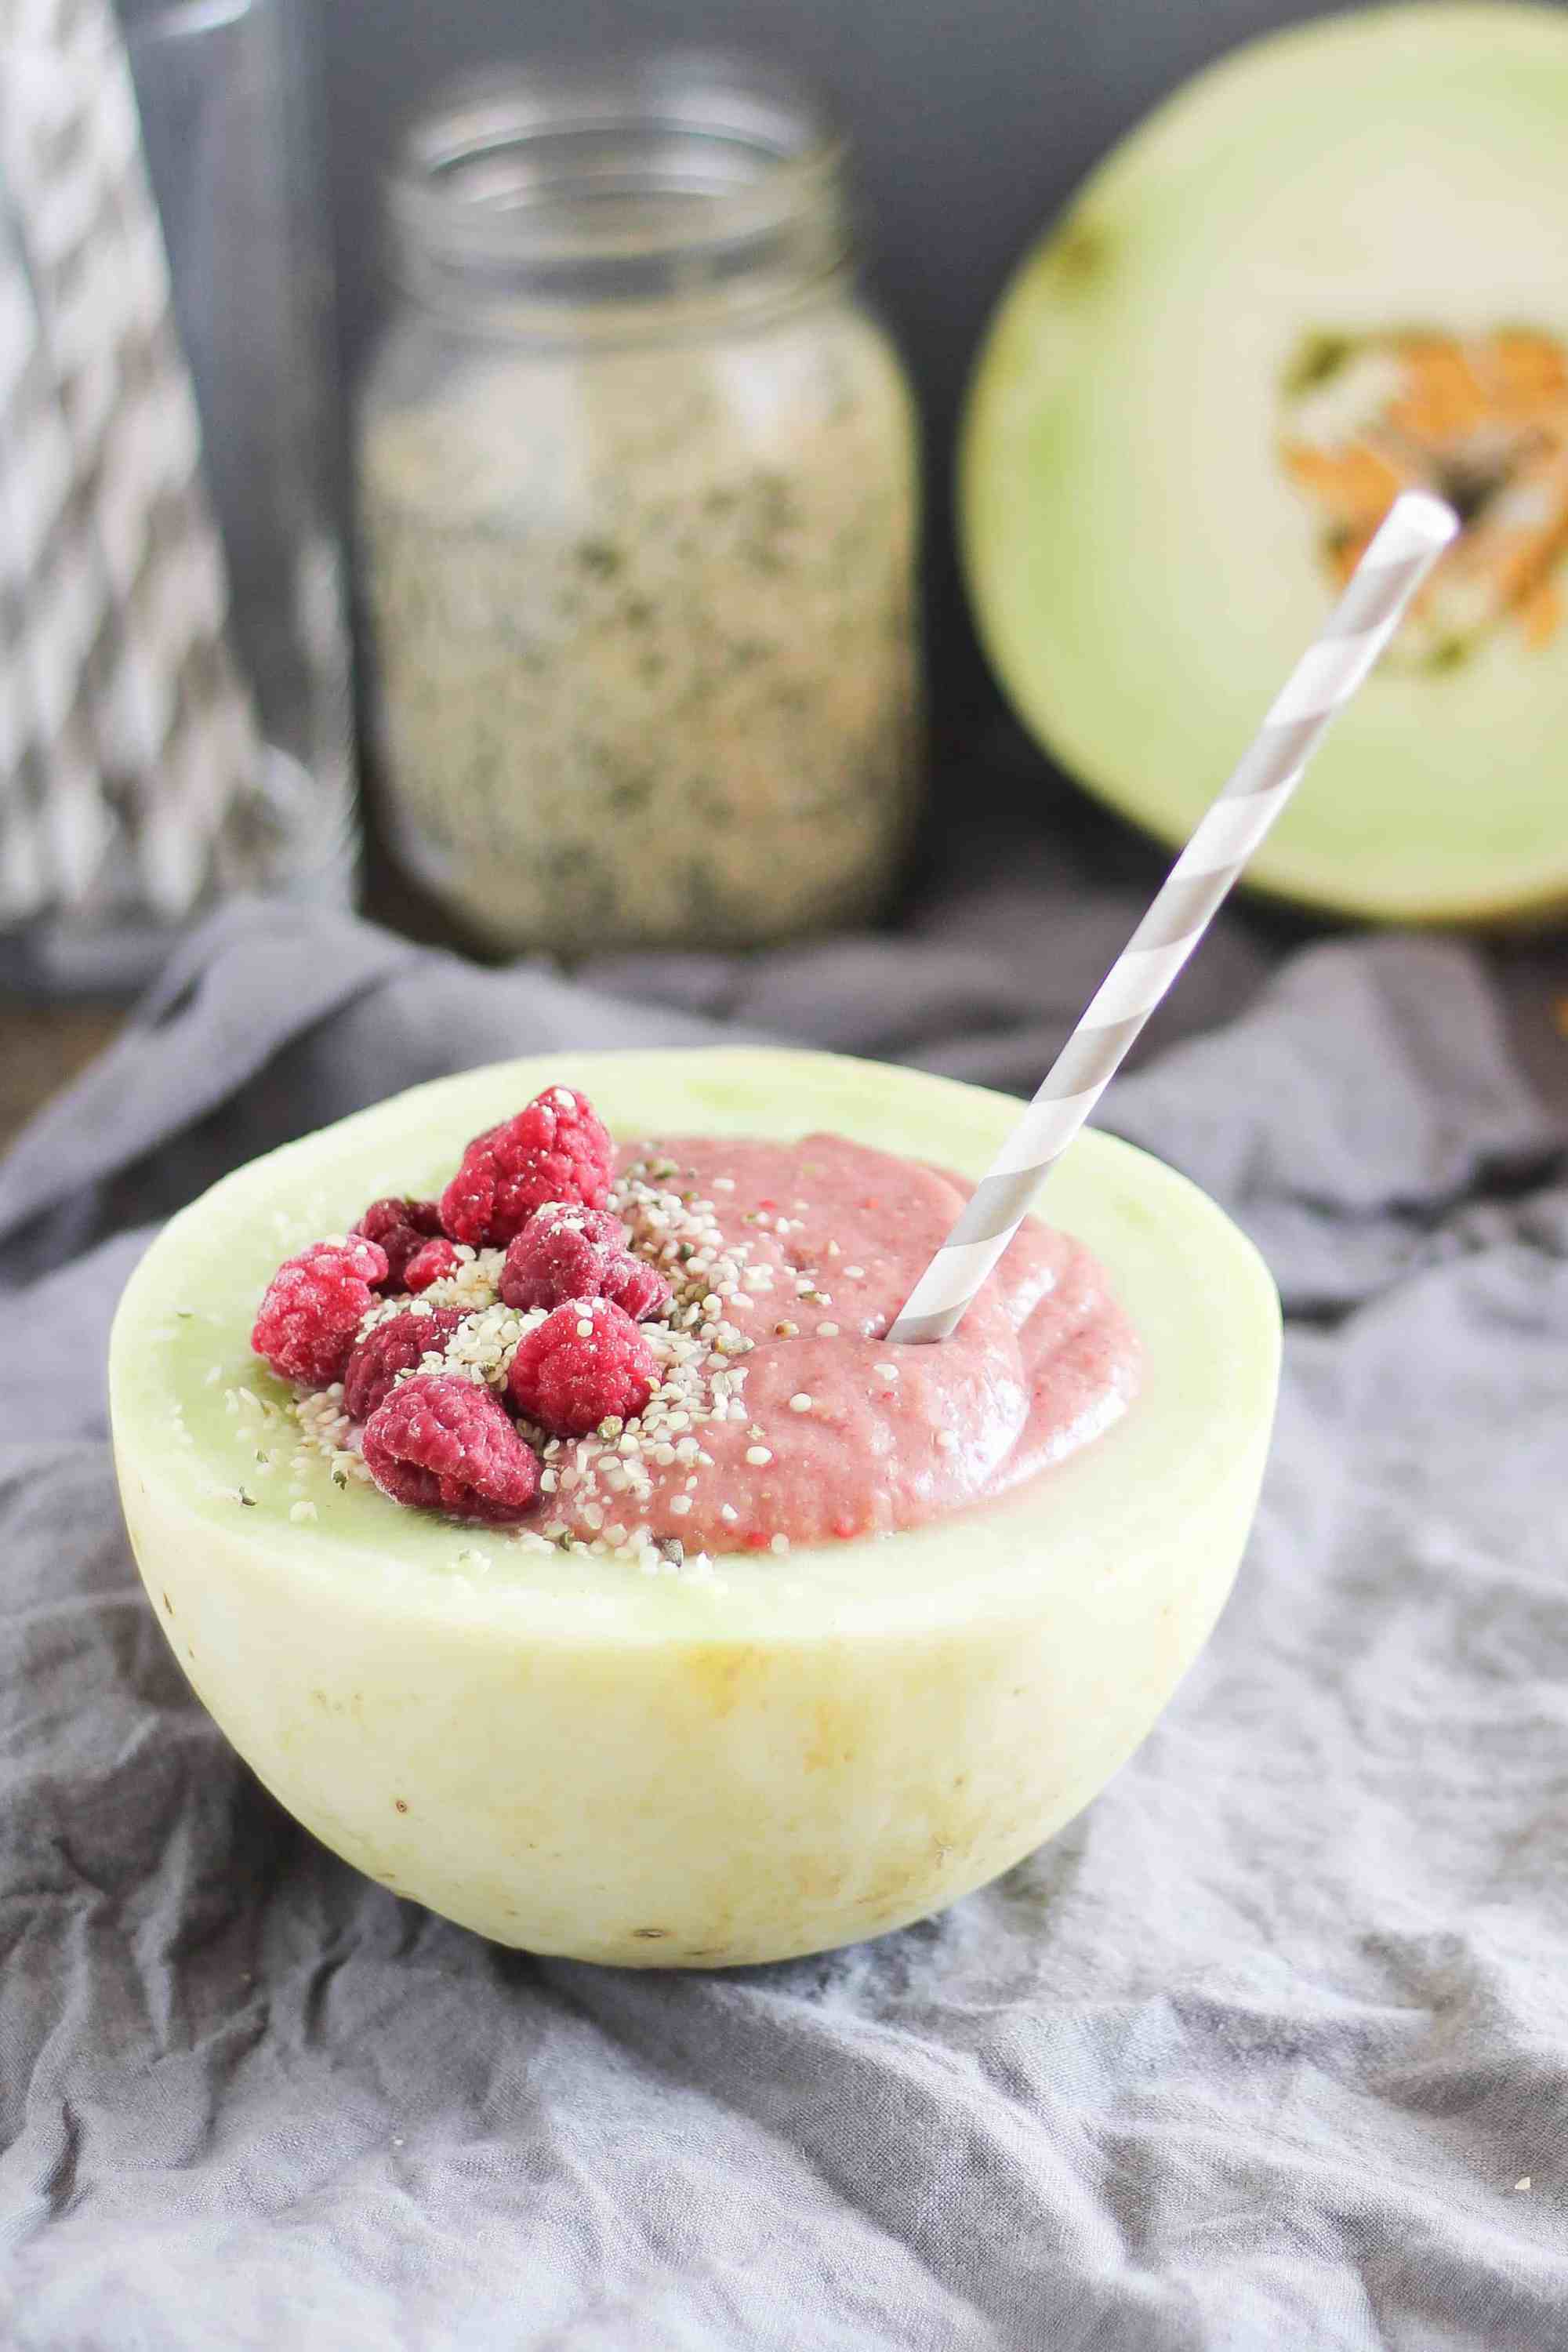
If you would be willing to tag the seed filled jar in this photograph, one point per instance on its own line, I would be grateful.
(639, 502)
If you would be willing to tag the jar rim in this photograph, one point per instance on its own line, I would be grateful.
(674, 156)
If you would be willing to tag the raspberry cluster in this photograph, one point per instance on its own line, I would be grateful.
(535, 1185)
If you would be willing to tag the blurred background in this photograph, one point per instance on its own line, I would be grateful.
(970, 127)
(238, 722)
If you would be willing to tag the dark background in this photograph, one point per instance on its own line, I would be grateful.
(971, 125)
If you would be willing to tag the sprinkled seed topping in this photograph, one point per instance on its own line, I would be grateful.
(698, 1347)
(613, 1489)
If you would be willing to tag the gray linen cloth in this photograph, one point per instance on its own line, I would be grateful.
(1268, 2049)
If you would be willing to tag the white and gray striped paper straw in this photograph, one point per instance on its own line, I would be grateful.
(1414, 534)
(128, 744)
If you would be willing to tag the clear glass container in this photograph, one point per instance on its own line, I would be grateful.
(639, 496)
(225, 92)
(231, 118)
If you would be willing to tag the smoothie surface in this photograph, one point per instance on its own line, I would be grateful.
(780, 1415)
(863, 1438)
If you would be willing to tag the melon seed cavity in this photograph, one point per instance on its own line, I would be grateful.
(1483, 422)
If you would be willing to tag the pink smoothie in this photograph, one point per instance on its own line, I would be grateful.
(828, 1433)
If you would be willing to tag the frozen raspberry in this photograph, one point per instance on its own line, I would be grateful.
(637, 1289)
(400, 1228)
(431, 1263)
(393, 1346)
(566, 1251)
(443, 1444)
(584, 1363)
(556, 1149)
(313, 1307)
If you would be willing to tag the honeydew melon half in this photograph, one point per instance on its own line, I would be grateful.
(1333, 263)
(574, 1757)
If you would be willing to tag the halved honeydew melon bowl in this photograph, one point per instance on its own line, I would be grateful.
(1146, 570)
(574, 1757)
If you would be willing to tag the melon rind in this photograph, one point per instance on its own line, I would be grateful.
(574, 1757)
(1144, 577)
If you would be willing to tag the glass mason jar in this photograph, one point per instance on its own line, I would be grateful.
(638, 494)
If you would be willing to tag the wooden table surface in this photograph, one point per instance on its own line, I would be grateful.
(41, 1047)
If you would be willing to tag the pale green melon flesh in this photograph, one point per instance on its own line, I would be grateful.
(1144, 575)
(573, 1757)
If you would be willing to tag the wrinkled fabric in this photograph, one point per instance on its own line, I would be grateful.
(1270, 2048)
